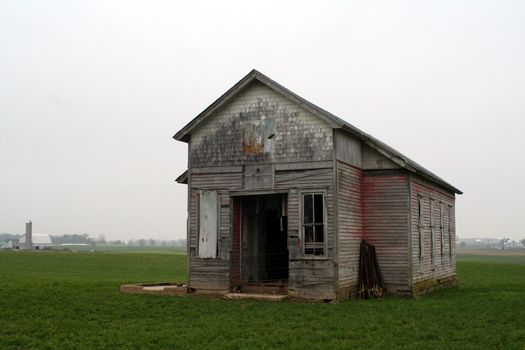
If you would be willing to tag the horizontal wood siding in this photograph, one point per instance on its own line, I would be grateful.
(303, 178)
(444, 264)
(236, 244)
(193, 218)
(350, 224)
(225, 240)
(209, 274)
(227, 181)
(216, 269)
(312, 279)
(385, 205)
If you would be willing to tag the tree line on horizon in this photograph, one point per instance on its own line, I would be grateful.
(101, 239)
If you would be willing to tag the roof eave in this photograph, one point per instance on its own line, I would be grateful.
(398, 158)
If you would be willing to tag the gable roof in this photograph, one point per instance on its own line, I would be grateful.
(331, 119)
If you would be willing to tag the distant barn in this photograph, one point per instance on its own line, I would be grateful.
(40, 241)
(282, 192)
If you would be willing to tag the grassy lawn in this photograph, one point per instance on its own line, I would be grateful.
(71, 300)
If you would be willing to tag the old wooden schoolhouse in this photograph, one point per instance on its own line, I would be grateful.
(281, 193)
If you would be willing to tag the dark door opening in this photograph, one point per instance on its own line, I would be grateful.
(264, 228)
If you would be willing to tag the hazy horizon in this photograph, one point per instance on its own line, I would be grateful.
(91, 94)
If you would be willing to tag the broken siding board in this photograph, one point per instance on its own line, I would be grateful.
(303, 165)
(302, 178)
(385, 204)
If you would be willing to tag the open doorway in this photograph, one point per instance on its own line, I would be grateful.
(263, 227)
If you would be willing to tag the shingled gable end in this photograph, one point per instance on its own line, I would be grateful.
(282, 192)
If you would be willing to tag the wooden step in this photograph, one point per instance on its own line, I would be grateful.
(267, 297)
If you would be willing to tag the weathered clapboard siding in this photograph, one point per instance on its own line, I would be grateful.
(298, 135)
(309, 180)
(303, 178)
(444, 204)
(312, 279)
(260, 139)
(209, 274)
(348, 149)
(193, 217)
(236, 243)
(228, 181)
(222, 180)
(350, 224)
(225, 226)
(385, 224)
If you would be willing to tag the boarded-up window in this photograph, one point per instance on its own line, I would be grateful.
(442, 229)
(420, 225)
(313, 224)
(208, 224)
(432, 235)
(259, 136)
(450, 232)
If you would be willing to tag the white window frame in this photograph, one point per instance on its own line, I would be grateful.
(325, 223)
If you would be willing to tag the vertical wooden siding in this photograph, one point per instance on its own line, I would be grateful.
(385, 205)
(350, 224)
(445, 257)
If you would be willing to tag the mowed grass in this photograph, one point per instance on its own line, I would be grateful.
(70, 300)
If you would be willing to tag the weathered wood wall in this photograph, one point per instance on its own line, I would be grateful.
(385, 213)
(444, 264)
(350, 226)
(260, 126)
(261, 141)
(212, 274)
(310, 277)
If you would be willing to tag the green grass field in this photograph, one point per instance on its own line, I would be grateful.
(67, 300)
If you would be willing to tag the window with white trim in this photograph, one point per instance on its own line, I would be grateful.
(313, 222)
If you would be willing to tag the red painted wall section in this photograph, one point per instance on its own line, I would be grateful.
(350, 225)
(385, 206)
(444, 264)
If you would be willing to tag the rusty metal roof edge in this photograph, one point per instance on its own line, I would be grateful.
(333, 120)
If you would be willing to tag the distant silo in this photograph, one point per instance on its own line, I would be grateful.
(29, 235)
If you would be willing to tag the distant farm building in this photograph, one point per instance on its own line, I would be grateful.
(40, 241)
(281, 193)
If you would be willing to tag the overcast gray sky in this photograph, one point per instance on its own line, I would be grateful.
(91, 93)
